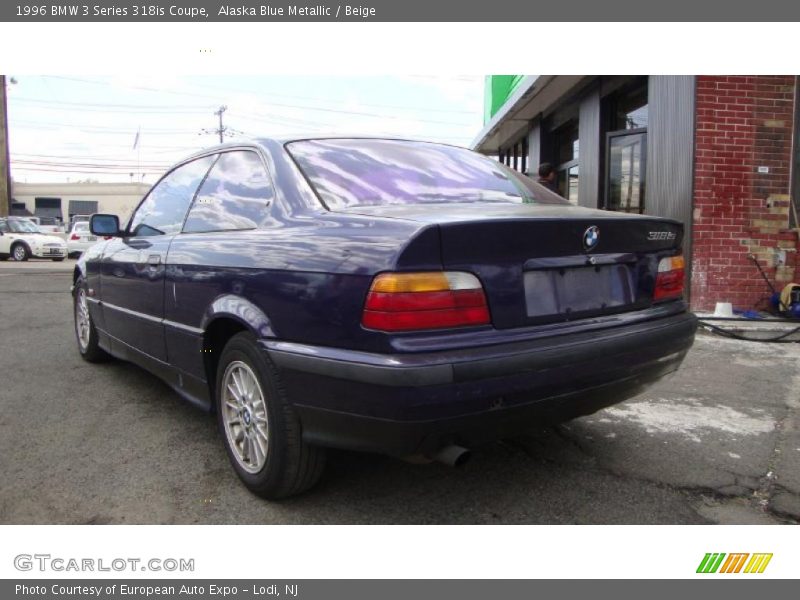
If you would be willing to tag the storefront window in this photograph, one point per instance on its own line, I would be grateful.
(626, 169)
(626, 149)
(567, 153)
(630, 109)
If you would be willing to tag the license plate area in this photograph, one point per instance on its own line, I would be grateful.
(568, 290)
(92, 238)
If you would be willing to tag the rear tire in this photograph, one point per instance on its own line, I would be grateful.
(260, 429)
(85, 331)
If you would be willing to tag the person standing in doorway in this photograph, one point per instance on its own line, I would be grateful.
(547, 177)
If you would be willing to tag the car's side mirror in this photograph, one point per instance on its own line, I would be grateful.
(105, 225)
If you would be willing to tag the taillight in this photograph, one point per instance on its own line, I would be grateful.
(74, 236)
(431, 300)
(670, 278)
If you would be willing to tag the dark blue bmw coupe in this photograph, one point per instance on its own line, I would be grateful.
(383, 295)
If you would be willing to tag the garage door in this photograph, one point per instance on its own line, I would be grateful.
(48, 207)
(82, 207)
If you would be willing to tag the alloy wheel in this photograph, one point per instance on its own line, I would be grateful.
(82, 320)
(245, 416)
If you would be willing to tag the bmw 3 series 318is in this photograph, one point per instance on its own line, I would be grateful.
(391, 296)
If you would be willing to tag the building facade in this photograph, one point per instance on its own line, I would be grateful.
(65, 200)
(715, 152)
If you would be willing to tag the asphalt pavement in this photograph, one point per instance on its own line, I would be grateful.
(719, 442)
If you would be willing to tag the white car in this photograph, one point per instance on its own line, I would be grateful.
(21, 239)
(80, 238)
(49, 225)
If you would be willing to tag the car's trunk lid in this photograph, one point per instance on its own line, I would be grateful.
(543, 263)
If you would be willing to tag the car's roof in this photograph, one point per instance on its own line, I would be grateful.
(285, 139)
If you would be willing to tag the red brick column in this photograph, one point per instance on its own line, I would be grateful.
(743, 124)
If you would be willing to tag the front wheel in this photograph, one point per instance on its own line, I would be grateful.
(260, 428)
(85, 331)
(20, 252)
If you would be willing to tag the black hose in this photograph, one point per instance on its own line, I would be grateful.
(781, 339)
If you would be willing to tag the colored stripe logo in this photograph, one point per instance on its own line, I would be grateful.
(719, 562)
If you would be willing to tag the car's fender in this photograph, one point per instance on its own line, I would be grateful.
(242, 310)
(80, 269)
(18, 239)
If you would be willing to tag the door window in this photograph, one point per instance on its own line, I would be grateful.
(164, 209)
(626, 148)
(626, 172)
(235, 195)
(567, 149)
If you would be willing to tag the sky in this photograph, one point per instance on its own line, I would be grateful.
(74, 128)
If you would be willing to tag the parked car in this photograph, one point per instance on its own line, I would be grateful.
(51, 225)
(80, 238)
(392, 296)
(78, 219)
(21, 239)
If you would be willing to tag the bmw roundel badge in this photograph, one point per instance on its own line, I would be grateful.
(590, 237)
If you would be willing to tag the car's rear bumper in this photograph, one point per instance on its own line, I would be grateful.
(412, 403)
(79, 246)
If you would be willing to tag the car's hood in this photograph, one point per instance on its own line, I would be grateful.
(474, 211)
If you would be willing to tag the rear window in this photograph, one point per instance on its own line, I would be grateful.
(364, 172)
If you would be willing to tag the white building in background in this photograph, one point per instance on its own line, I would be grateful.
(64, 200)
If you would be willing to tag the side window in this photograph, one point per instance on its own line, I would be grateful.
(165, 207)
(3, 227)
(235, 195)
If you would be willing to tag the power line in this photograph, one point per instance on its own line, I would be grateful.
(293, 106)
(95, 107)
(101, 131)
(67, 157)
(227, 90)
(131, 165)
(84, 170)
(317, 99)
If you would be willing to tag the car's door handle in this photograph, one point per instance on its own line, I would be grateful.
(154, 260)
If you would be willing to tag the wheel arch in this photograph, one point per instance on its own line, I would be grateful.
(78, 272)
(16, 243)
(227, 316)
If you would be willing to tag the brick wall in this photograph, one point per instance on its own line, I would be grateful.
(742, 123)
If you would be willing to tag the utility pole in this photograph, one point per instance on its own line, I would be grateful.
(5, 175)
(222, 130)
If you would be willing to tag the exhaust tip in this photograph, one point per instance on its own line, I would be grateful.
(452, 456)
